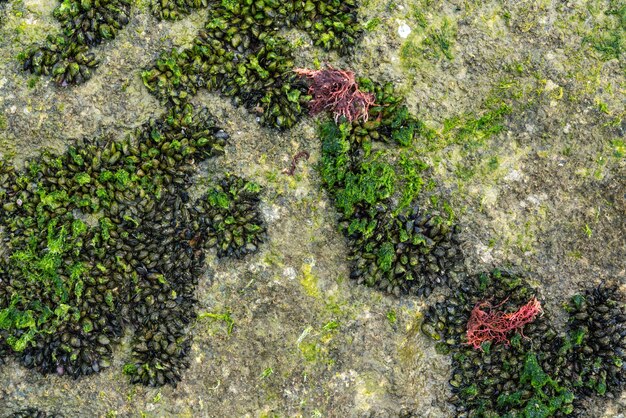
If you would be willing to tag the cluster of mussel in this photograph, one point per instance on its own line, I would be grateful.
(595, 347)
(412, 252)
(541, 372)
(105, 235)
(397, 250)
(85, 23)
(33, 413)
(331, 24)
(240, 53)
(230, 219)
(176, 9)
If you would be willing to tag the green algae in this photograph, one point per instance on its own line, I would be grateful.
(225, 317)
(608, 38)
(378, 195)
(542, 404)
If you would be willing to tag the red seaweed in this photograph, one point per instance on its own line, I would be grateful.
(294, 162)
(337, 91)
(493, 325)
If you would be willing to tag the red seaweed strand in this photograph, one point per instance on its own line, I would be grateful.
(337, 91)
(486, 323)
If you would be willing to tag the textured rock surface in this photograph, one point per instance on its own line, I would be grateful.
(543, 195)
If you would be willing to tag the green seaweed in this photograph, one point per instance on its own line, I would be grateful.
(548, 396)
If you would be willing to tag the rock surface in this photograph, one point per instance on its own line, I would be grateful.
(539, 188)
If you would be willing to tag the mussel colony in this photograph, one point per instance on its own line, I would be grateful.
(33, 413)
(85, 23)
(105, 236)
(240, 54)
(176, 9)
(231, 221)
(542, 372)
(396, 247)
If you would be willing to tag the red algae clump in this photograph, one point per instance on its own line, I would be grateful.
(337, 91)
(486, 323)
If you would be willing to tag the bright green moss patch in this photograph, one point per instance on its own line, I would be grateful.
(374, 182)
(335, 153)
(619, 148)
(471, 129)
(55, 275)
(310, 351)
(386, 256)
(549, 397)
